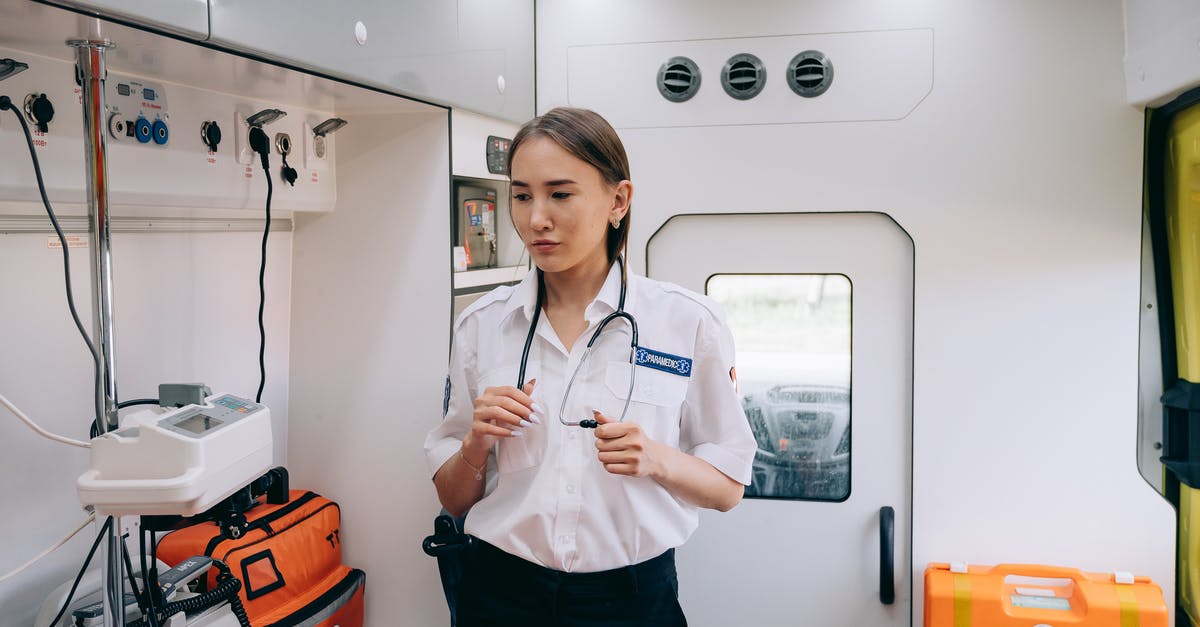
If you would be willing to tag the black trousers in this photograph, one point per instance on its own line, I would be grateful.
(502, 590)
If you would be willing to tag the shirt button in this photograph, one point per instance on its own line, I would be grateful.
(570, 489)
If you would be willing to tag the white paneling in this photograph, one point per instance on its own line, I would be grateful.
(879, 75)
(1019, 178)
(185, 310)
(371, 330)
(1162, 49)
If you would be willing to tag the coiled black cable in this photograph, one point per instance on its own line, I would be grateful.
(226, 590)
(7, 105)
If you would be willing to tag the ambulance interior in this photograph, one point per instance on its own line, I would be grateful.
(956, 244)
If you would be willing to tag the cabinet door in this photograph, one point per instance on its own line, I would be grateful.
(446, 52)
(495, 39)
(185, 17)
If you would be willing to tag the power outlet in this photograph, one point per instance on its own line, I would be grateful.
(241, 136)
(316, 157)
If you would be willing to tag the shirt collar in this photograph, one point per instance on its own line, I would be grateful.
(524, 296)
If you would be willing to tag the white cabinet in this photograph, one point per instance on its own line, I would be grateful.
(471, 54)
(184, 17)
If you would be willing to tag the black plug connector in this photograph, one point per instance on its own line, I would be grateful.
(261, 144)
(5, 103)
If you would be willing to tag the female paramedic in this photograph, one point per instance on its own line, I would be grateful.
(589, 412)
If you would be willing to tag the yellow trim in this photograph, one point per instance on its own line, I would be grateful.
(1183, 243)
(1130, 616)
(962, 601)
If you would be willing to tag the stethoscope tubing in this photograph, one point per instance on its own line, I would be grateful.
(586, 423)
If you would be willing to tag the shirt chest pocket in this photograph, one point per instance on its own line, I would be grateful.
(524, 451)
(654, 402)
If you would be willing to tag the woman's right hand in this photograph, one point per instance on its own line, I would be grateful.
(500, 412)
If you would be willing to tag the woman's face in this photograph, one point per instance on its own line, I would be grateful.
(562, 207)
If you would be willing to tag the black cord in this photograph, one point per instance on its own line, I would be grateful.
(63, 610)
(262, 273)
(150, 598)
(129, 571)
(137, 401)
(7, 105)
(155, 592)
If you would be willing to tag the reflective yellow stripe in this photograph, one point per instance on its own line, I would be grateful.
(1129, 607)
(962, 601)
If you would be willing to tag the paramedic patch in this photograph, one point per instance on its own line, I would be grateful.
(673, 364)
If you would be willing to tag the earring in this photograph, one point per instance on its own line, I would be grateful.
(616, 223)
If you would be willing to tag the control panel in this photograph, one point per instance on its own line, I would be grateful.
(497, 154)
(169, 144)
(137, 110)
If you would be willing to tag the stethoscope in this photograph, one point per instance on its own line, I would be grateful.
(587, 423)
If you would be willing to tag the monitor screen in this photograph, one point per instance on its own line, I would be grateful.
(199, 423)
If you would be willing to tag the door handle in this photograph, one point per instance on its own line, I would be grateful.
(887, 554)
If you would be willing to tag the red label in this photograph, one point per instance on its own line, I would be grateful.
(314, 176)
(39, 139)
(78, 95)
(211, 158)
(249, 172)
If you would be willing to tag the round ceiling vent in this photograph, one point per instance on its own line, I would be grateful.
(810, 73)
(678, 79)
(743, 76)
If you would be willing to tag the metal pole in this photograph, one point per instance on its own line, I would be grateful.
(89, 59)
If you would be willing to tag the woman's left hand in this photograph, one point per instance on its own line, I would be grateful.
(624, 449)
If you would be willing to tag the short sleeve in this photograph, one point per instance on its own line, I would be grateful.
(714, 426)
(458, 405)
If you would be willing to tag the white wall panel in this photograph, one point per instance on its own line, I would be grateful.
(371, 332)
(1019, 178)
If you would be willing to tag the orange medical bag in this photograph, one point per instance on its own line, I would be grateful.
(1016, 595)
(289, 558)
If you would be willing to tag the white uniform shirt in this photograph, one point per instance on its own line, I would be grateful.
(548, 499)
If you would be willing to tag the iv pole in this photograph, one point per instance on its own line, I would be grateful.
(91, 71)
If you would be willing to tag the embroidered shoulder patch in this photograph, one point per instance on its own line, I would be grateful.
(665, 362)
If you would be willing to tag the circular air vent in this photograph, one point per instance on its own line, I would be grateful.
(810, 73)
(743, 76)
(678, 79)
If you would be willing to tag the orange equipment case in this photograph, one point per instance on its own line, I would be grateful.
(289, 559)
(1021, 595)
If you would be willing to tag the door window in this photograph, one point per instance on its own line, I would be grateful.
(792, 336)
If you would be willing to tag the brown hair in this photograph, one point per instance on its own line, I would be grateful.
(589, 137)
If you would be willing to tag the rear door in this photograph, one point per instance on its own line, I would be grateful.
(820, 306)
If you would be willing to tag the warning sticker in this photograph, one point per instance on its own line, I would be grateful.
(73, 241)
